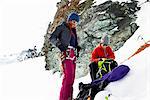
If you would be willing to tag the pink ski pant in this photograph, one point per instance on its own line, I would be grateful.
(69, 67)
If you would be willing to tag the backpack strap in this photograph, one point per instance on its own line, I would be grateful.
(101, 66)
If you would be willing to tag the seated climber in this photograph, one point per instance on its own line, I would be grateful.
(89, 91)
(102, 60)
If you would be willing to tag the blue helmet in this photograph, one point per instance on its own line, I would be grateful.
(73, 16)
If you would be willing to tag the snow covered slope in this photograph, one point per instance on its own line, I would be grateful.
(135, 86)
(28, 80)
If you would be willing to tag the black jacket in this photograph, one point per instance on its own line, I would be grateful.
(61, 36)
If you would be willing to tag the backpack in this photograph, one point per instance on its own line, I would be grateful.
(88, 91)
(105, 66)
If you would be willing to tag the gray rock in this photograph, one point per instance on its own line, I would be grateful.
(113, 18)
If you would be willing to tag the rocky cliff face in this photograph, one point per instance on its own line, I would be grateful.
(113, 18)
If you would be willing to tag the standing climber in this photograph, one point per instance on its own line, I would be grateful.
(65, 38)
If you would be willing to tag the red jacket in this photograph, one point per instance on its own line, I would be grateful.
(98, 53)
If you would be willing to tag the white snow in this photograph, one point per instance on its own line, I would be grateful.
(24, 23)
(28, 80)
(134, 86)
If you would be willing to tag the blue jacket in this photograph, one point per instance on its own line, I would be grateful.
(61, 36)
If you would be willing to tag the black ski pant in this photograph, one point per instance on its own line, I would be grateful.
(93, 70)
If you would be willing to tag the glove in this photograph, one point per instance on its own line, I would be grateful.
(62, 48)
(103, 59)
(78, 50)
(77, 54)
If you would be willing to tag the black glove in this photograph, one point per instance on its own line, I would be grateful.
(62, 48)
(77, 54)
(78, 50)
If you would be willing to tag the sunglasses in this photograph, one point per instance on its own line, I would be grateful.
(105, 44)
(73, 21)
